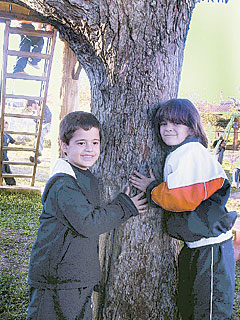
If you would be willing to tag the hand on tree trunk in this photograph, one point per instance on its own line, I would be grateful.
(138, 200)
(140, 181)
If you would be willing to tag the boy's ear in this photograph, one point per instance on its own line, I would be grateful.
(63, 146)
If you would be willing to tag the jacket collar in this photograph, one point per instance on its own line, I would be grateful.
(187, 140)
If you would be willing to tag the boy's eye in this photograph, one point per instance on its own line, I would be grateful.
(81, 143)
(95, 143)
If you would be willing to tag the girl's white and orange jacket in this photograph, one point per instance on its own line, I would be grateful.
(194, 191)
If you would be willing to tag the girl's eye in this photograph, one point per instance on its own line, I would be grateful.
(96, 143)
(81, 143)
(163, 123)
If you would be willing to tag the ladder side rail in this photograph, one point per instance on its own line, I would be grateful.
(230, 124)
(3, 100)
(226, 132)
(49, 62)
(224, 135)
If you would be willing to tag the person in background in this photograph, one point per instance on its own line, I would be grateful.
(29, 43)
(221, 149)
(236, 178)
(35, 108)
(6, 167)
(64, 266)
(194, 192)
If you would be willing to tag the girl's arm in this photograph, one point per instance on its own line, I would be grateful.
(193, 175)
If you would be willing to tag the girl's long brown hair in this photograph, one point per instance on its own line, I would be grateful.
(180, 111)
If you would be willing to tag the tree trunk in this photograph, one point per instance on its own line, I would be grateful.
(132, 52)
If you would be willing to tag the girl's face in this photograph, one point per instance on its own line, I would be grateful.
(174, 133)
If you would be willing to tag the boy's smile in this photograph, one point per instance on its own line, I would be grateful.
(174, 133)
(84, 148)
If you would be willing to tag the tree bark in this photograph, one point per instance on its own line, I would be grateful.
(132, 52)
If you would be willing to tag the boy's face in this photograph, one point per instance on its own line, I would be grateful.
(83, 149)
(33, 107)
(174, 133)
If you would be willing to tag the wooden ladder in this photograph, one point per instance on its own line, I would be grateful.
(41, 98)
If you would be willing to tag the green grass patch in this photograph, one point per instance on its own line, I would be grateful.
(19, 214)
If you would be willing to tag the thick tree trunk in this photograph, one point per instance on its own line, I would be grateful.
(132, 52)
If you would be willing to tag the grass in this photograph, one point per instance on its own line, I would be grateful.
(19, 215)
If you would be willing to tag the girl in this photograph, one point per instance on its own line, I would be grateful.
(194, 193)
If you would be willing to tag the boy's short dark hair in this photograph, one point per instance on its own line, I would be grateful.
(30, 102)
(74, 121)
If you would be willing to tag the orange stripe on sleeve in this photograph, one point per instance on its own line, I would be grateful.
(184, 198)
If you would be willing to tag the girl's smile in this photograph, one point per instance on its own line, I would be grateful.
(174, 133)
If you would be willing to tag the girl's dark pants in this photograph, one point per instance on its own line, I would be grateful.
(206, 282)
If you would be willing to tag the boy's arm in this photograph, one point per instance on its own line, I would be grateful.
(20, 142)
(13, 141)
(88, 219)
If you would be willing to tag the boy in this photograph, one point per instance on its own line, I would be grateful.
(5, 167)
(64, 264)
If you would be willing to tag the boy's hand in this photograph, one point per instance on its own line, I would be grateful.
(141, 182)
(140, 204)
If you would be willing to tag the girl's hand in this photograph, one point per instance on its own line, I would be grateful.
(141, 182)
(140, 204)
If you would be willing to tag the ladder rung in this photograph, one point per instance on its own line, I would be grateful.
(28, 54)
(8, 175)
(20, 188)
(23, 133)
(37, 33)
(12, 15)
(13, 96)
(25, 76)
(19, 149)
(22, 116)
(20, 163)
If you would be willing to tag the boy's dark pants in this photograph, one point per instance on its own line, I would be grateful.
(71, 304)
(206, 282)
(6, 169)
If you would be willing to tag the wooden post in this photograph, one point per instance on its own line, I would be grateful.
(235, 134)
(69, 92)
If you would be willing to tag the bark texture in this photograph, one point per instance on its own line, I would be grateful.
(132, 52)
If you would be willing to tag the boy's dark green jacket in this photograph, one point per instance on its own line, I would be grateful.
(65, 253)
